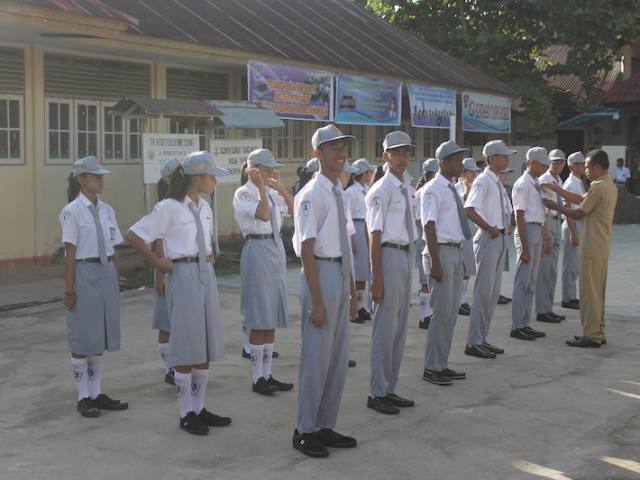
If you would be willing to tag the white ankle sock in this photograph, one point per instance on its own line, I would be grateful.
(266, 360)
(80, 376)
(246, 333)
(94, 375)
(164, 353)
(257, 352)
(199, 379)
(183, 390)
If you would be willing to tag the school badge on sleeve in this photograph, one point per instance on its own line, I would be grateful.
(305, 206)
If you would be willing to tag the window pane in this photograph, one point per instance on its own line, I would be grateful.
(53, 145)
(82, 117)
(93, 144)
(14, 144)
(117, 146)
(3, 114)
(65, 145)
(133, 147)
(93, 118)
(53, 116)
(117, 122)
(14, 114)
(82, 145)
(65, 110)
(108, 122)
(108, 146)
(133, 125)
(4, 145)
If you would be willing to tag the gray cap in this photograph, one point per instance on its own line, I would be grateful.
(312, 165)
(328, 133)
(350, 168)
(539, 154)
(169, 167)
(557, 154)
(88, 165)
(576, 157)
(198, 163)
(264, 157)
(430, 165)
(496, 147)
(448, 148)
(363, 165)
(397, 139)
(470, 164)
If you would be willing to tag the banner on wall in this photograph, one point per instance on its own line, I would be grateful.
(159, 148)
(368, 101)
(293, 93)
(485, 113)
(431, 107)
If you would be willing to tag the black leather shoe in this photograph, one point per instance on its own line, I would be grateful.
(87, 408)
(399, 401)
(103, 402)
(602, 342)
(364, 315)
(213, 420)
(263, 387)
(464, 309)
(424, 323)
(245, 354)
(583, 342)
(329, 438)
(492, 349)
(559, 317)
(308, 444)
(479, 351)
(534, 333)
(352, 363)
(170, 378)
(547, 318)
(502, 300)
(453, 375)
(437, 378)
(191, 423)
(382, 405)
(573, 304)
(275, 354)
(281, 386)
(520, 334)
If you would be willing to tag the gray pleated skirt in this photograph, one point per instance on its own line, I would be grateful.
(263, 285)
(194, 315)
(94, 322)
(361, 265)
(160, 319)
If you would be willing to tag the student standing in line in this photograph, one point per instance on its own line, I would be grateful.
(504, 178)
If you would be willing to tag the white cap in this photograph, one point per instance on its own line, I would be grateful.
(396, 139)
(198, 163)
(88, 165)
(312, 165)
(448, 148)
(430, 165)
(363, 165)
(539, 154)
(557, 154)
(264, 157)
(496, 147)
(470, 164)
(348, 168)
(576, 157)
(328, 133)
(169, 167)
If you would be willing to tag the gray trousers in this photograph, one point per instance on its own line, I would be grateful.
(548, 274)
(524, 283)
(489, 255)
(324, 351)
(570, 264)
(444, 302)
(390, 317)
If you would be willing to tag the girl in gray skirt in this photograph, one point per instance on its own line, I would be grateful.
(184, 222)
(91, 293)
(259, 205)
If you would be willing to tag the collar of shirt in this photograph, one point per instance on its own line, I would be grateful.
(187, 200)
(530, 178)
(325, 183)
(363, 188)
(491, 175)
(86, 202)
(443, 180)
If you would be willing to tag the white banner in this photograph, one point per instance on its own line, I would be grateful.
(158, 148)
(231, 154)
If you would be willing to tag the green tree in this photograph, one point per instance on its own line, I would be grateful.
(511, 40)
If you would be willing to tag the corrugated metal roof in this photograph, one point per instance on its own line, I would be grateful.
(626, 92)
(242, 114)
(165, 107)
(333, 33)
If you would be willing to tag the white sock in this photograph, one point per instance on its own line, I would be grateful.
(257, 352)
(246, 333)
(94, 375)
(425, 306)
(266, 360)
(183, 390)
(199, 379)
(164, 353)
(80, 376)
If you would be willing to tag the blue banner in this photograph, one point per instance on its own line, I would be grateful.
(431, 107)
(486, 113)
(368, 101)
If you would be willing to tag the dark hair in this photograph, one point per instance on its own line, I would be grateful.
(163, 188)
(379, 173)
(621, 160)
(178, 184)
(73, 187)
(599, 157)
(244, 177)
(351, 181)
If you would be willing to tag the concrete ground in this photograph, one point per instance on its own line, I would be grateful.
(542, 410)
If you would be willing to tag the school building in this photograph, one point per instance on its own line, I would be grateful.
(64, 65)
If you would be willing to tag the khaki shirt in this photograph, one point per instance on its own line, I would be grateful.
(599, 205)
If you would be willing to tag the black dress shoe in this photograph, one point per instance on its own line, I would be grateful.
(399, 401)
(87, 408)
(281, 386)
(520, 334)
(559, 317)
(263, 387)
(330, 438)
(453, 375)
(502, 300)
(363, 315)
(602, 342)
(103, 402)
(382, 405)
(352, 363)
(547, 318)
(492, 349)
(534, 333)
(308, 444)
(573, 304)
(275, 354)
(437, 378)
(191, 423)
(246, 354)
(170, 378)
(464, 309)
(213, 420)
(479, 351)
(424, 323)
(583, 342)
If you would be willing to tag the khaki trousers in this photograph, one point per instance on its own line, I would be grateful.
(593, 283)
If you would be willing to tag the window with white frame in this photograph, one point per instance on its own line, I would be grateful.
(60, 130)
(11, 126)
(298, 142)
(198, 127)
(86, 122)
(356, 147)
(113, 131)
(432, 138)
(281, 136)
(134, 139)
(267, 139)
(381, 132)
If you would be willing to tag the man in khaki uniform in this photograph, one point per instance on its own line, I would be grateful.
(596, 210)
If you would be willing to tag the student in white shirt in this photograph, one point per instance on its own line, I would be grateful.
(91, 288)
(621, 174)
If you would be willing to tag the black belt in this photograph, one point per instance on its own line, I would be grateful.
(259, 236)
(93, 259)
(189, 259)
(358, 219)
(395, 245)
(329, 259)
(451, 244)
(534, 223)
